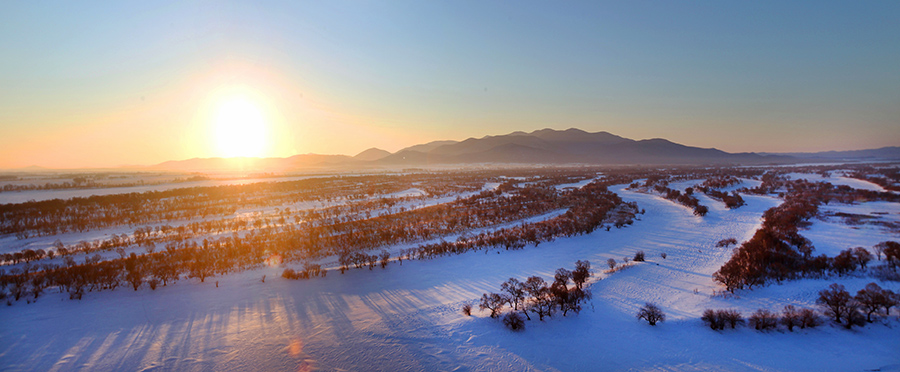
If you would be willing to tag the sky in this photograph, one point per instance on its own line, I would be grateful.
(110, 83)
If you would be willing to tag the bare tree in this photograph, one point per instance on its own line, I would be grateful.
(385, 258)
(891, 299)
(809, 319)
(891, 252)
(837, 302)
(515, 292)
(712, 319)
(493, 302)
(371, 259)
(718, 319)
(540, 300)
(574, 297)
(134, 272)
(790, 317)
(581, 273)
(344, 260)
(562, 276)
(872, 298)
(651, 313)
(881, 247)
(731, 317)
(862, 257)
(844, 262)
(763, 319)
(514, 321)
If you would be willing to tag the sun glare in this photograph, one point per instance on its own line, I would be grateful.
(240, 128)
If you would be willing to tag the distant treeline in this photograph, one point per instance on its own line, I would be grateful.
(88, 183)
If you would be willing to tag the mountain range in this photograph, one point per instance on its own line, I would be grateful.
(545, 146)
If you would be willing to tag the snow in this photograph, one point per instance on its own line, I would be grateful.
(7, 197)
(830, 236)
(875, 208)
(408, 317)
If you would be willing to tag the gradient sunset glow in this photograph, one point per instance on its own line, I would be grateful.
(110, 84)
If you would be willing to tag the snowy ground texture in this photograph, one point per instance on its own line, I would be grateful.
(408, 317)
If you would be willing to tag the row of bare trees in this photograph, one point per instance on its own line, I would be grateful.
(838, 304)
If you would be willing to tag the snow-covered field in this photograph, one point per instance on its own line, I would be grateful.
(832, 235)
(837, 180)
(408, 317)
(8, 197)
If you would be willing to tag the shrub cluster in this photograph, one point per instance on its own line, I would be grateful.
(685, 199)
(536, 296)
(718, 319)
(732, 201)
(310, 270)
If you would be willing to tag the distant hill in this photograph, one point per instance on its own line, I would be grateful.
(548, 146)
(426, 147)
(371, 154)
(545, 146)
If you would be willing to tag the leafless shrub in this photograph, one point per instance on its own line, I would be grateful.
(467, 309)
(514, 321)
(726, 242)
(639, 256)
(790, 317)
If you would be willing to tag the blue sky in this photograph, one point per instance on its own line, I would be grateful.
(130, 82)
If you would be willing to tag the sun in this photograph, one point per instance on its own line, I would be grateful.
(240, 127)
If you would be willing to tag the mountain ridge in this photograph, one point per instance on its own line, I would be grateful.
(543, 146)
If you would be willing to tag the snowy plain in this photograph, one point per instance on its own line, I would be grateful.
(407, 317)
(8, 197)
(837, 180)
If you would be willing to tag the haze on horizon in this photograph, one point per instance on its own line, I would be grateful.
(114, 83)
